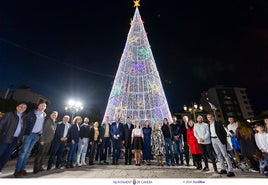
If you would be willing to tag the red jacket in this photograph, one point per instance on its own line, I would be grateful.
(192, 142)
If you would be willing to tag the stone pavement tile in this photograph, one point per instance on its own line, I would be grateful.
(123, 171)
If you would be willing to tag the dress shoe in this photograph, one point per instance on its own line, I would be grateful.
(230, 174)
(72, 165)
(58, 166)
(68, 165)
(105, 162)
(205, 169)
(35, 171)
(17, 174)
(222, 172)
(24, 172)
(199, 167)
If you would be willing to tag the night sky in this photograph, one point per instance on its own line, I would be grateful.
(64, 49)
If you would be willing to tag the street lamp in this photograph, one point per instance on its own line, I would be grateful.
(73, 107)
(193, 109)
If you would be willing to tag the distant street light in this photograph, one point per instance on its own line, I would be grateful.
(193, 109)
(73, 107)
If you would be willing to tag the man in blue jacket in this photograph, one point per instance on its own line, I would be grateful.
(116, 134)
(10, 132)
(32, 129)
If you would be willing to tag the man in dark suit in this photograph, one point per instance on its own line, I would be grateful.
(185, 144)
(59, 142)
(116, 134)
(127, 131)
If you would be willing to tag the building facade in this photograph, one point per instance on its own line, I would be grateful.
(25, 94)
(229, 101)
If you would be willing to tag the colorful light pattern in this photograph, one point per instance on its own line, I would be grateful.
(137, 91)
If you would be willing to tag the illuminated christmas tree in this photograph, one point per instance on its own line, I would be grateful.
(137, 90)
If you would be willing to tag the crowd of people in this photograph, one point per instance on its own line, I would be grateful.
(89, 144)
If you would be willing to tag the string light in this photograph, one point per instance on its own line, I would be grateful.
(137, 91)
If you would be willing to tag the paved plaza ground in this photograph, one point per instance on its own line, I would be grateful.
(126, 171)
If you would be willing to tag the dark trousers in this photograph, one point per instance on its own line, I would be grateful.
(56, 151)
(207, 151)
(93, 149)
(254, 164)
(104, 148)
(40, 155)
(186, 152)
(197, 160)
(128, 154)
(98, 151)
(6, 150)
(116, 149)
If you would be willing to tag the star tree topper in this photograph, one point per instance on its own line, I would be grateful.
(136, 3)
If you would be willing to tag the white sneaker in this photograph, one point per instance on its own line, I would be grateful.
(84, 164)
(254, 171)
(79, 164)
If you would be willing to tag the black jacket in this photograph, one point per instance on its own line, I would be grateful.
(221, 133)
(176, 130)
(84, 131)
(166, 131)
(60, 131)
(8, 126)
(127, 134)
(92, 133)
(73, 133)
(184, 132)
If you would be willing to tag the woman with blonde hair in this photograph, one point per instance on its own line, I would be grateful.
(157, 143)
(137, 142)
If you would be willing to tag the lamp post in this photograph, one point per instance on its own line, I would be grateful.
(193, 109)
(73, 107)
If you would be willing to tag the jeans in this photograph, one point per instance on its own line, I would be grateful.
(28, 143)
(71, 154)
(82, 150)
(263, 164)
(116, 149)
(169, 151)
(178, 150)
(6, 149)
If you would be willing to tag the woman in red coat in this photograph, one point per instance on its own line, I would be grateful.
(193, 145)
